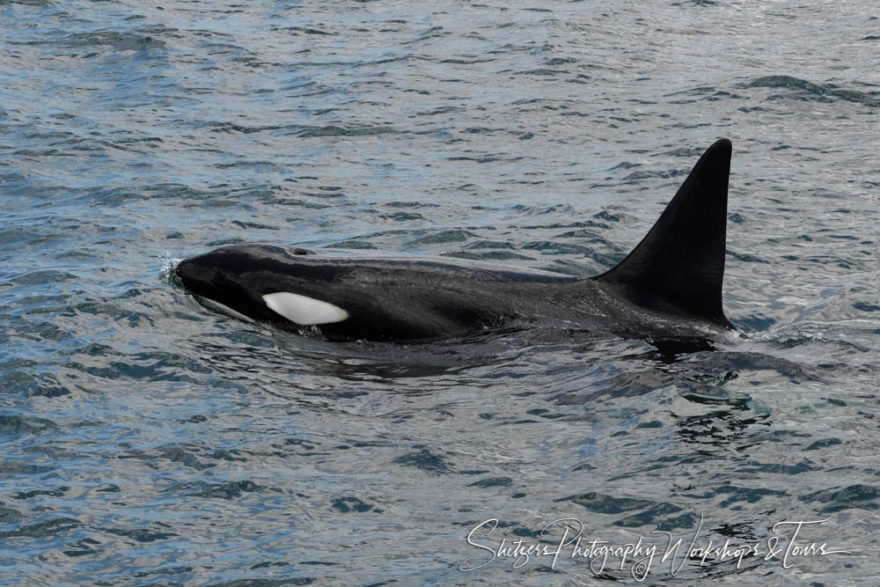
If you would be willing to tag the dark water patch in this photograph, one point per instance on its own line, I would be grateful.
(596, 264)
(352, 244)
(492, 482)
(216, 126)
(15, 235)
(754, 323)
(42, 277)
(633, 384)
(39, 3)
(347, 505)
(482, 159)
(228, 490)
(102, 362)
(252, 225)
(484, 244)
(307, 30)
(16, 425)
(487, 256)
(43, 529)
(341, 131)
(703, 93)
(173, 191)
(305, 204)
(174, 454)
(172, 570)
(45, 330)
(778, 468)
(297, 446)
(248, 164)
(57, 492)
(866, 307)
(474, 130)
(546, 414)
(740, 363)
(28, 384)
(152, 533)
(425, 460)
(718, 428)
(140, 40)
(745, 257)
(734, 494)
(267, 564)
(84, 547)
(651, 424)
(802, 334)
(445, 236)
(824, 442)
(660, 515)
(591, 233)
(599, 503)
(862, 497)
(196, 457)
(744, 531)
(681, 522)
(557, 248)
(402, 216)
(340, 394)
(117, 312)
(260, 582)
(10, 515)
(14, 468)
(804, 90)
(381, 361)
(736, 218)
(541, 72)
(414, 204)
(638, 177)
(624, 165)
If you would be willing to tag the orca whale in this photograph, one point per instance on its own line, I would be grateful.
(668, 286)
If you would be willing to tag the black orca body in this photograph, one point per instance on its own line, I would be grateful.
(669, 285)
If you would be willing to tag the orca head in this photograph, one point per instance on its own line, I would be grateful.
(253, 280)
(195, 274)
(222, 276)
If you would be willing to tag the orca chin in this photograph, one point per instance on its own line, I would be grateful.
(668, 286)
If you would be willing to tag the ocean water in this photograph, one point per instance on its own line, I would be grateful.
(145, 439)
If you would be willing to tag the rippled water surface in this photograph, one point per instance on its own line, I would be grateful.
(147, 439)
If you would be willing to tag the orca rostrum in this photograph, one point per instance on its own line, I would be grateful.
(668, 286)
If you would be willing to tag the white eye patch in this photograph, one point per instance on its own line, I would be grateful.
(304, 310)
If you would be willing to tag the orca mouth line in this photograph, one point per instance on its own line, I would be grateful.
(669, 286)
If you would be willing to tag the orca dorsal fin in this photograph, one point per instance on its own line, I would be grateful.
(679, 265)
